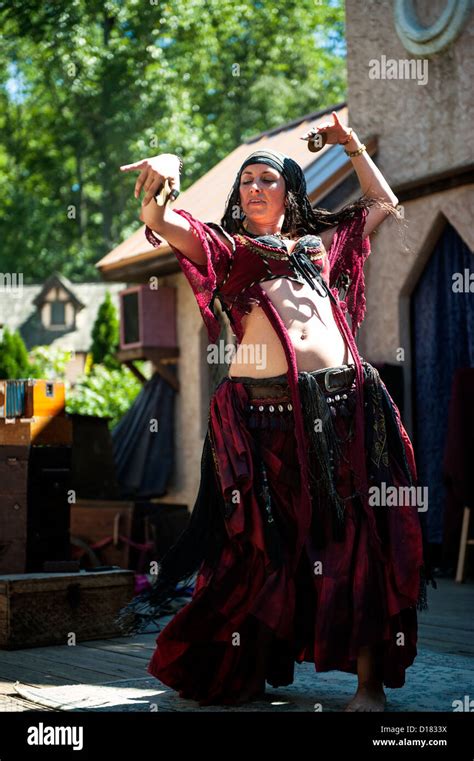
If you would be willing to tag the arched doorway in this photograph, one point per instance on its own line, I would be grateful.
(442, 340)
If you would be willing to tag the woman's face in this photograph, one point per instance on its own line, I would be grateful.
(262, 193)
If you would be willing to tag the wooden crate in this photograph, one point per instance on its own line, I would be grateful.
(95, 520)
(154, 526)
(34, 507)
(13, 508)
(38, 609)
(36, 430)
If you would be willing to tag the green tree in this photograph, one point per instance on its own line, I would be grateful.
(14, 362)
(105, 335)
(88, 85)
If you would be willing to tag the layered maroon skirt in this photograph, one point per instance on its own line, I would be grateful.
(248, 621)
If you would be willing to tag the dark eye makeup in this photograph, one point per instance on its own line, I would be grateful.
(247, 182)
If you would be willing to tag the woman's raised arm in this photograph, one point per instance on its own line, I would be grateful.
(372, 182)
(175, 229)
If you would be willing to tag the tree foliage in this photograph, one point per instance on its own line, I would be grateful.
(105, 335)
(86, 86)
(14, 362)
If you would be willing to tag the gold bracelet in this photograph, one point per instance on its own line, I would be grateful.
(357, 152)
(349, 137)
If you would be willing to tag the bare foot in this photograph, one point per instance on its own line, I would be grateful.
(248, 696)
(368, 698)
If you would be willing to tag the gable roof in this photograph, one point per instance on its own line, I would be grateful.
(57, 280)
(19, 311)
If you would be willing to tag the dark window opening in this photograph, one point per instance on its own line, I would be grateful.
(58, 313)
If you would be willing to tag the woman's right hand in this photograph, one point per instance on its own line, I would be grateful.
(153, 173)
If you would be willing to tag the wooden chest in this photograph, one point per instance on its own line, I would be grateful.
(38, 609)
(33, 412)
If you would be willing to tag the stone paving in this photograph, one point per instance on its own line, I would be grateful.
(433, 683)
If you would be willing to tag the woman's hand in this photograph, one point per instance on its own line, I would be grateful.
(153, 173)
(335, 132)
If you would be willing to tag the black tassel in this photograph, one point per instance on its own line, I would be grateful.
(425, 579)
(422, 602)
(380, 413)
(324, 451)
(301, 264)
(273, 539)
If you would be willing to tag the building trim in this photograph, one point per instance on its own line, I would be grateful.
(435, 183)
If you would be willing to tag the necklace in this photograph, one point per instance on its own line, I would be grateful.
(281, 236)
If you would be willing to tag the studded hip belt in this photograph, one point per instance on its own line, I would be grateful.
(270, 402)
(271, 412)
(330, 379)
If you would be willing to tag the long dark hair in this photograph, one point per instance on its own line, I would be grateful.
(300, 217)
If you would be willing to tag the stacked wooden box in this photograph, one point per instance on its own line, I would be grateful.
(35, 475)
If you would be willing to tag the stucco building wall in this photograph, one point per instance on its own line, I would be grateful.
(422, 129)
(423, 132)
(188, 402)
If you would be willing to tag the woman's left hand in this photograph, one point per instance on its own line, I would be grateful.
(335, 132)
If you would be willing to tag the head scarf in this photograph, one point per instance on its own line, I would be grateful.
(291, 171)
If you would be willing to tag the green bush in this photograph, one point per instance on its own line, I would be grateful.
(14, 362)
(49, 362)
(105, 335)
(104, 393)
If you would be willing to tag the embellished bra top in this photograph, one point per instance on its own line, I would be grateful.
(313, 242)
(266, 257)
(234, 270)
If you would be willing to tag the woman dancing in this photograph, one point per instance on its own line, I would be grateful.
(296, 556)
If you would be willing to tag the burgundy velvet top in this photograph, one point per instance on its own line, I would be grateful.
(231, 275)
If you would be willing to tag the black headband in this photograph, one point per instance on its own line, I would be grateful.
(291, 171)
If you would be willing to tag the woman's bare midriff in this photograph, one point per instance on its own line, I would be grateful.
(311, 327)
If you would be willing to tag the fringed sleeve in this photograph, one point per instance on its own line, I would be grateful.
(203, 278)
(347, 256)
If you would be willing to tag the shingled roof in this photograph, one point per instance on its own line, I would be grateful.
(19, 310)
